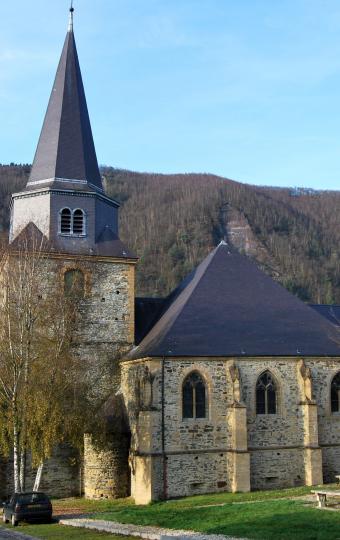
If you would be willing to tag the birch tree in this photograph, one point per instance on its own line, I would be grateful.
(43, 386)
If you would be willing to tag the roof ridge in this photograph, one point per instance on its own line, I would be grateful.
(166, 312)
(66, 44)
(328, 305)
(210, 256)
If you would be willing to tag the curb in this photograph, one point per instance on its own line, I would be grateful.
(141, 531)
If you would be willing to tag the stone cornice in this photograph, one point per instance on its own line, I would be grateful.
(74, 193)
(80, 257)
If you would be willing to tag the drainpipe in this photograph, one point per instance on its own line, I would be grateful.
(165, 468)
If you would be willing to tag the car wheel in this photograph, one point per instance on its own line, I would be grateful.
(4, 519)
(14, 521)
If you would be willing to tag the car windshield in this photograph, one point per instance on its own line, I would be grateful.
(29, 498)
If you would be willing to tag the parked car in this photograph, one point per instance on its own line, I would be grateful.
(33, 506)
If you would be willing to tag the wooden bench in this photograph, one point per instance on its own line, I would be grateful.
(322, 496)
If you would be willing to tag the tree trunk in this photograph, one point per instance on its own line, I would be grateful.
(23, 470)
(38, 477)
(16, 464)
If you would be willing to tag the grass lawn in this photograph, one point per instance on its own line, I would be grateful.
(262, 515)
(54, 531)
(279, 519)
(65, 506)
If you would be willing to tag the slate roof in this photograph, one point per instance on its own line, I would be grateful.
(330, 311)
(108, 244)
(31, 239)
(229, 307)
(66, 148)
(147, 313)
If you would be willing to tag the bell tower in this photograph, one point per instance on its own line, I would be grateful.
(64, 196)
(64, 203)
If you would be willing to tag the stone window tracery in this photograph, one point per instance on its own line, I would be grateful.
(335, 393)
(266, 394)
(194, 396)
(72, 222)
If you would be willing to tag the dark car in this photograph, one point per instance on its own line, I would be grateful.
(33, 506)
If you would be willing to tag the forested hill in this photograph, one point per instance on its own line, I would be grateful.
(172, 221)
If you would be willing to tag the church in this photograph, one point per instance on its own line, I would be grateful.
(230, 383)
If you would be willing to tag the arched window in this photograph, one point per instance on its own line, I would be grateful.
(78, 222)
(66, 221)
(335, 393)
(74, 283)
(194, 396)
(266, 394)
(72, 222)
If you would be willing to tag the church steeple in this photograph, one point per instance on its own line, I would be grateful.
(66, 151)
(64, 199)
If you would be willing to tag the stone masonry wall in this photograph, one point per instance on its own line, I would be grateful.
(24, 211)
(190, 474)
(62, 474)
(198, 454)
(105, 332)
(323, 372)
(106, 474)
(277, 468)
(277, 465)
(195, 451)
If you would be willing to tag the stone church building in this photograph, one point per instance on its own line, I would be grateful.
(229, 384)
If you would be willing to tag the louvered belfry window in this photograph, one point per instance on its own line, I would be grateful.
(72, 222)
(65, 221)
(266, 394)
(335, 393)
(194, 396)
(78, 222)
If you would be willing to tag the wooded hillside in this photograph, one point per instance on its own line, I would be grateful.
(172, 221)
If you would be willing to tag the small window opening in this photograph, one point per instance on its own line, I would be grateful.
(194, 396)
(335, 393)
(266, 394)
(78, 222)
(74, 284)
(72, 222)
(65, 221)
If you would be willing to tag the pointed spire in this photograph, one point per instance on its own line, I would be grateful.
(70, 24)
(65, 151)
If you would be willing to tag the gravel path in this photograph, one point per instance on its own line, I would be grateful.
(141, 531)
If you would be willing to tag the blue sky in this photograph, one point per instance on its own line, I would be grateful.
(246, 89)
